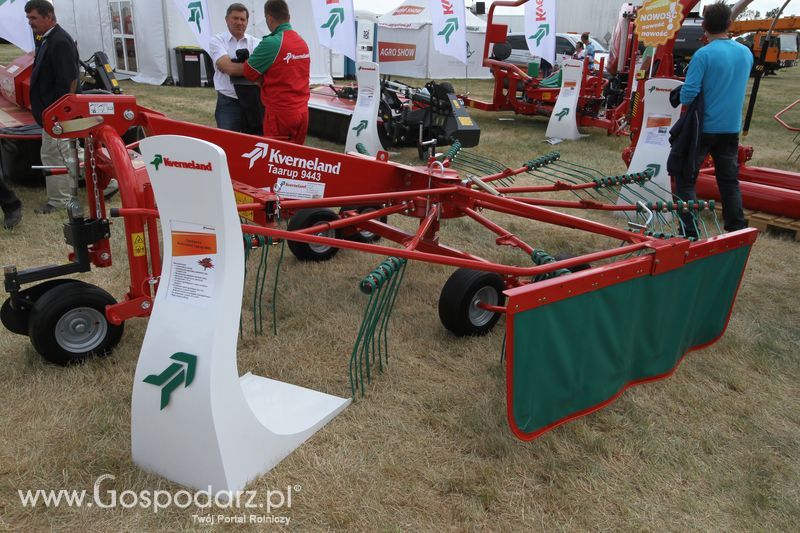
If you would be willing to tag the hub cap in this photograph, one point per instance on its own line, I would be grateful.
(478, 316)
(81, 330)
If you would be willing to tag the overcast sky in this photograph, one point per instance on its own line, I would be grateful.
(382, 6)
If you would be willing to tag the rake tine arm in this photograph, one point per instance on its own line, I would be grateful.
(557, 186)
(356, 219)
(505, 236)
(454, 258)
(581, 204)
(366, 199)
(424, 227)
(515, 207)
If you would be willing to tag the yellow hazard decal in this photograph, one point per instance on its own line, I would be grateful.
(242, 198)
(138, 244)
(465, 121)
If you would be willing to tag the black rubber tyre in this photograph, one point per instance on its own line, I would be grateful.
(363, 236)
(16, 320)
(458, 309)
(386, 126)
(67, 323)
(306, 218)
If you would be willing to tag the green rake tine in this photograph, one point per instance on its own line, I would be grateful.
(397, 279)
(275, 288)
(258, 296)
(247, 241)
(354, 370)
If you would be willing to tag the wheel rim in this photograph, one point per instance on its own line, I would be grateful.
(477, 316)
(81, 329)
(322, 248)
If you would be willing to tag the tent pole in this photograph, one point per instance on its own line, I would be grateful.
(166, 38)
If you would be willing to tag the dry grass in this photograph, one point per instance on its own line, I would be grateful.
(713, 447)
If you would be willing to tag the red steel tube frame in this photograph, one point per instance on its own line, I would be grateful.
(784, 110)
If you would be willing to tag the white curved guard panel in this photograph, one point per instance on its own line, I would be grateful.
(193, 419)
(363, 127)
(563, 122)
(652, 148)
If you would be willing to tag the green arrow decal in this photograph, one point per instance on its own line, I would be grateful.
(450, 27)
(195, 14)
(360, 127)
(655, 168)
(176, 374)
(157, 160)
(653, 88)
(541, 33)
(4, 1)
(337, 17)
(563, 113)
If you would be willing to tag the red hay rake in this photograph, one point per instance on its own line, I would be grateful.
(553, 375)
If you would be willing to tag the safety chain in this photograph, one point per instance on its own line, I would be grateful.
(93, 166)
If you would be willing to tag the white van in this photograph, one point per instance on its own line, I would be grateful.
(565, 48)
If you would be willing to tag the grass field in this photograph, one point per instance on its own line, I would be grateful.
(714, 447)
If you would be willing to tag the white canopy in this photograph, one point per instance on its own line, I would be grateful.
(405, 45)
(143, 33)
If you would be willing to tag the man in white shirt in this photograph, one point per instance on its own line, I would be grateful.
(230, 111)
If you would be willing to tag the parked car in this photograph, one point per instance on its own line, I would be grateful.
(565, 48)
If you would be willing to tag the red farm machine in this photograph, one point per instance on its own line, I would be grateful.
(552, 374)
(605, 93)
(644, 272)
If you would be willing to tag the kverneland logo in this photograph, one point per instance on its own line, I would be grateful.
(541, 12)
(291, 57)
(158, 160)
(447, 7)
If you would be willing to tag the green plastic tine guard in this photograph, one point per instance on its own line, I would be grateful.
(453, 151)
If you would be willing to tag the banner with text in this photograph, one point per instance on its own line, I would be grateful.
(14, 25)
(540, 28)
(657, 21)
(196, 15)
(336, 25)
(449, 28)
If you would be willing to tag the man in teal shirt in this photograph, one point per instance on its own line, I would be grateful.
(719, 71)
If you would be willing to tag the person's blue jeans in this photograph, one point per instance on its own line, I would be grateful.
(724, 149)
(228, 113)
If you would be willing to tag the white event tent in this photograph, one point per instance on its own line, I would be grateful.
(139, 36)
(405, 45)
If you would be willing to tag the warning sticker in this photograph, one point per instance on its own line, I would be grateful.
(465, 121)
(138, 244)
(194, 262)
(242, 198)
(101, 108)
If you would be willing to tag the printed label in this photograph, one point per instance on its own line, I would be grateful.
(300, 190)
(194, 262)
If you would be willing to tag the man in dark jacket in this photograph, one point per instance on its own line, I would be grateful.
(719, 72)
(55, 73)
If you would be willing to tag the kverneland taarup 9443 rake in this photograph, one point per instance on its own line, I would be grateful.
(610, 298)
